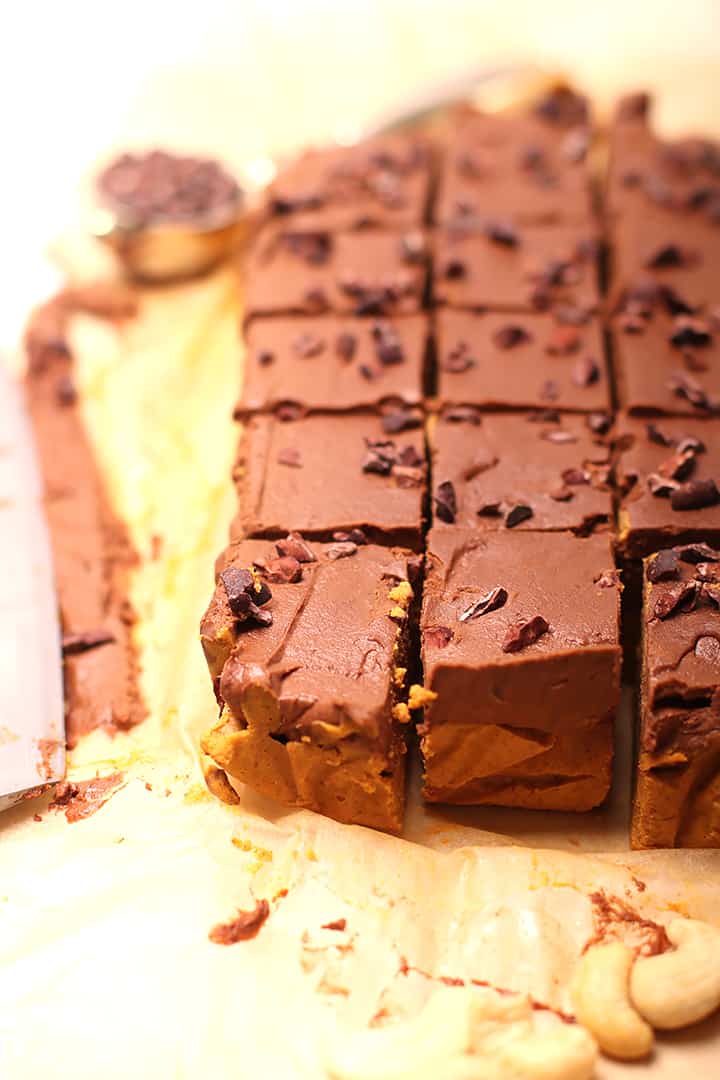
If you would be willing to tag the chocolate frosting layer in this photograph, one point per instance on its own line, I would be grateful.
(331, 364)
(360, 273)
(557, 472)
(321, 474)
(522, 361)
(530, 269)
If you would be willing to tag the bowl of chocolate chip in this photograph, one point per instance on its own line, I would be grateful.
(168, 216)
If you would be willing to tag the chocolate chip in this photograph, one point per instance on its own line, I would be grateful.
(265, 357)
(695, 495)
(660, 486)
(308, 344)
(690, 333)
(522, 634)
(491, 601)
(667, 255)
(285, 570)
(245, 595)
(510, 335)
(519, 513)
(72, 644)
(345, 346)
(664, 567)
(294, 546)
(290, 456)
(342, 550)
(697, 553)
(658, 436)
(608, 579)
(356, 536)
(599, 422)
(412, 247)
(586, 371)
(439, 637)
(65, 391)
(490, 509)
(445, 502)
(677, 598)
(455, 269)
(401, 419)
(502, 232)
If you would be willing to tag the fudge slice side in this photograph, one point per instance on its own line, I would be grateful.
(522, 669)
(311, 678)
(322, 474)
(677, 796)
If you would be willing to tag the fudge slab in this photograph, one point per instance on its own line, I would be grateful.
(677, 797)
(519, 472)
(382, 183)
(667, 364)
(332, 364)
(321, 474)
(510, 268)
(313, 704)
(519, 168)
(520, 650)
(666, 472)
(522, 361)
(296, 272)
(681, 256)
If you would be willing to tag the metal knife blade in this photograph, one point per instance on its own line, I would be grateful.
(32, 723)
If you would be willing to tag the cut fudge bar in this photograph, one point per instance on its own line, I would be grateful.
(383, 182)
(678, 256)
(519, 471)
(507, 268)
(677, 798)
(522, 361)
(325, 474)
(331, 364)
(518, 168)
(673, 178)
(362, 273)
(522, 669)
(307, 648)
(664, 363)
(667, 470)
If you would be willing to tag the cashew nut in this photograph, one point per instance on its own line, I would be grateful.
(600, 994)
(466, 1034)
(682, 986)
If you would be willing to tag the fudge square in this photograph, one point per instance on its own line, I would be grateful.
(550, 360)
(333, 364)
(508, 268)
(522, 669)
(382, 183)
(307, 647)
(519, 168)
(664, 363)
(361, 273)
(519, 471)
(323, 475)
(677, 795)
(667, 471)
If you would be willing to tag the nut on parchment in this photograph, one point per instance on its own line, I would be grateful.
(466, 1034)
(682, 986)
(600, 994)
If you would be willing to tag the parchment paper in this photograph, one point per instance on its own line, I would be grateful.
(106, 968)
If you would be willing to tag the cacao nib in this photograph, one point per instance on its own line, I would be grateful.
(522, 634)
(446, 502)
(295, 546)
(491, 601)
(586, 371)
(677, 598)
(690, 333)
(519, 513)
(599, 423)
(608, 579)
(345, 346)
(343, 549)
(697, 553)
(695, 495)
(510, 335)
(664, 567)
(502, 232)
(438, 636)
